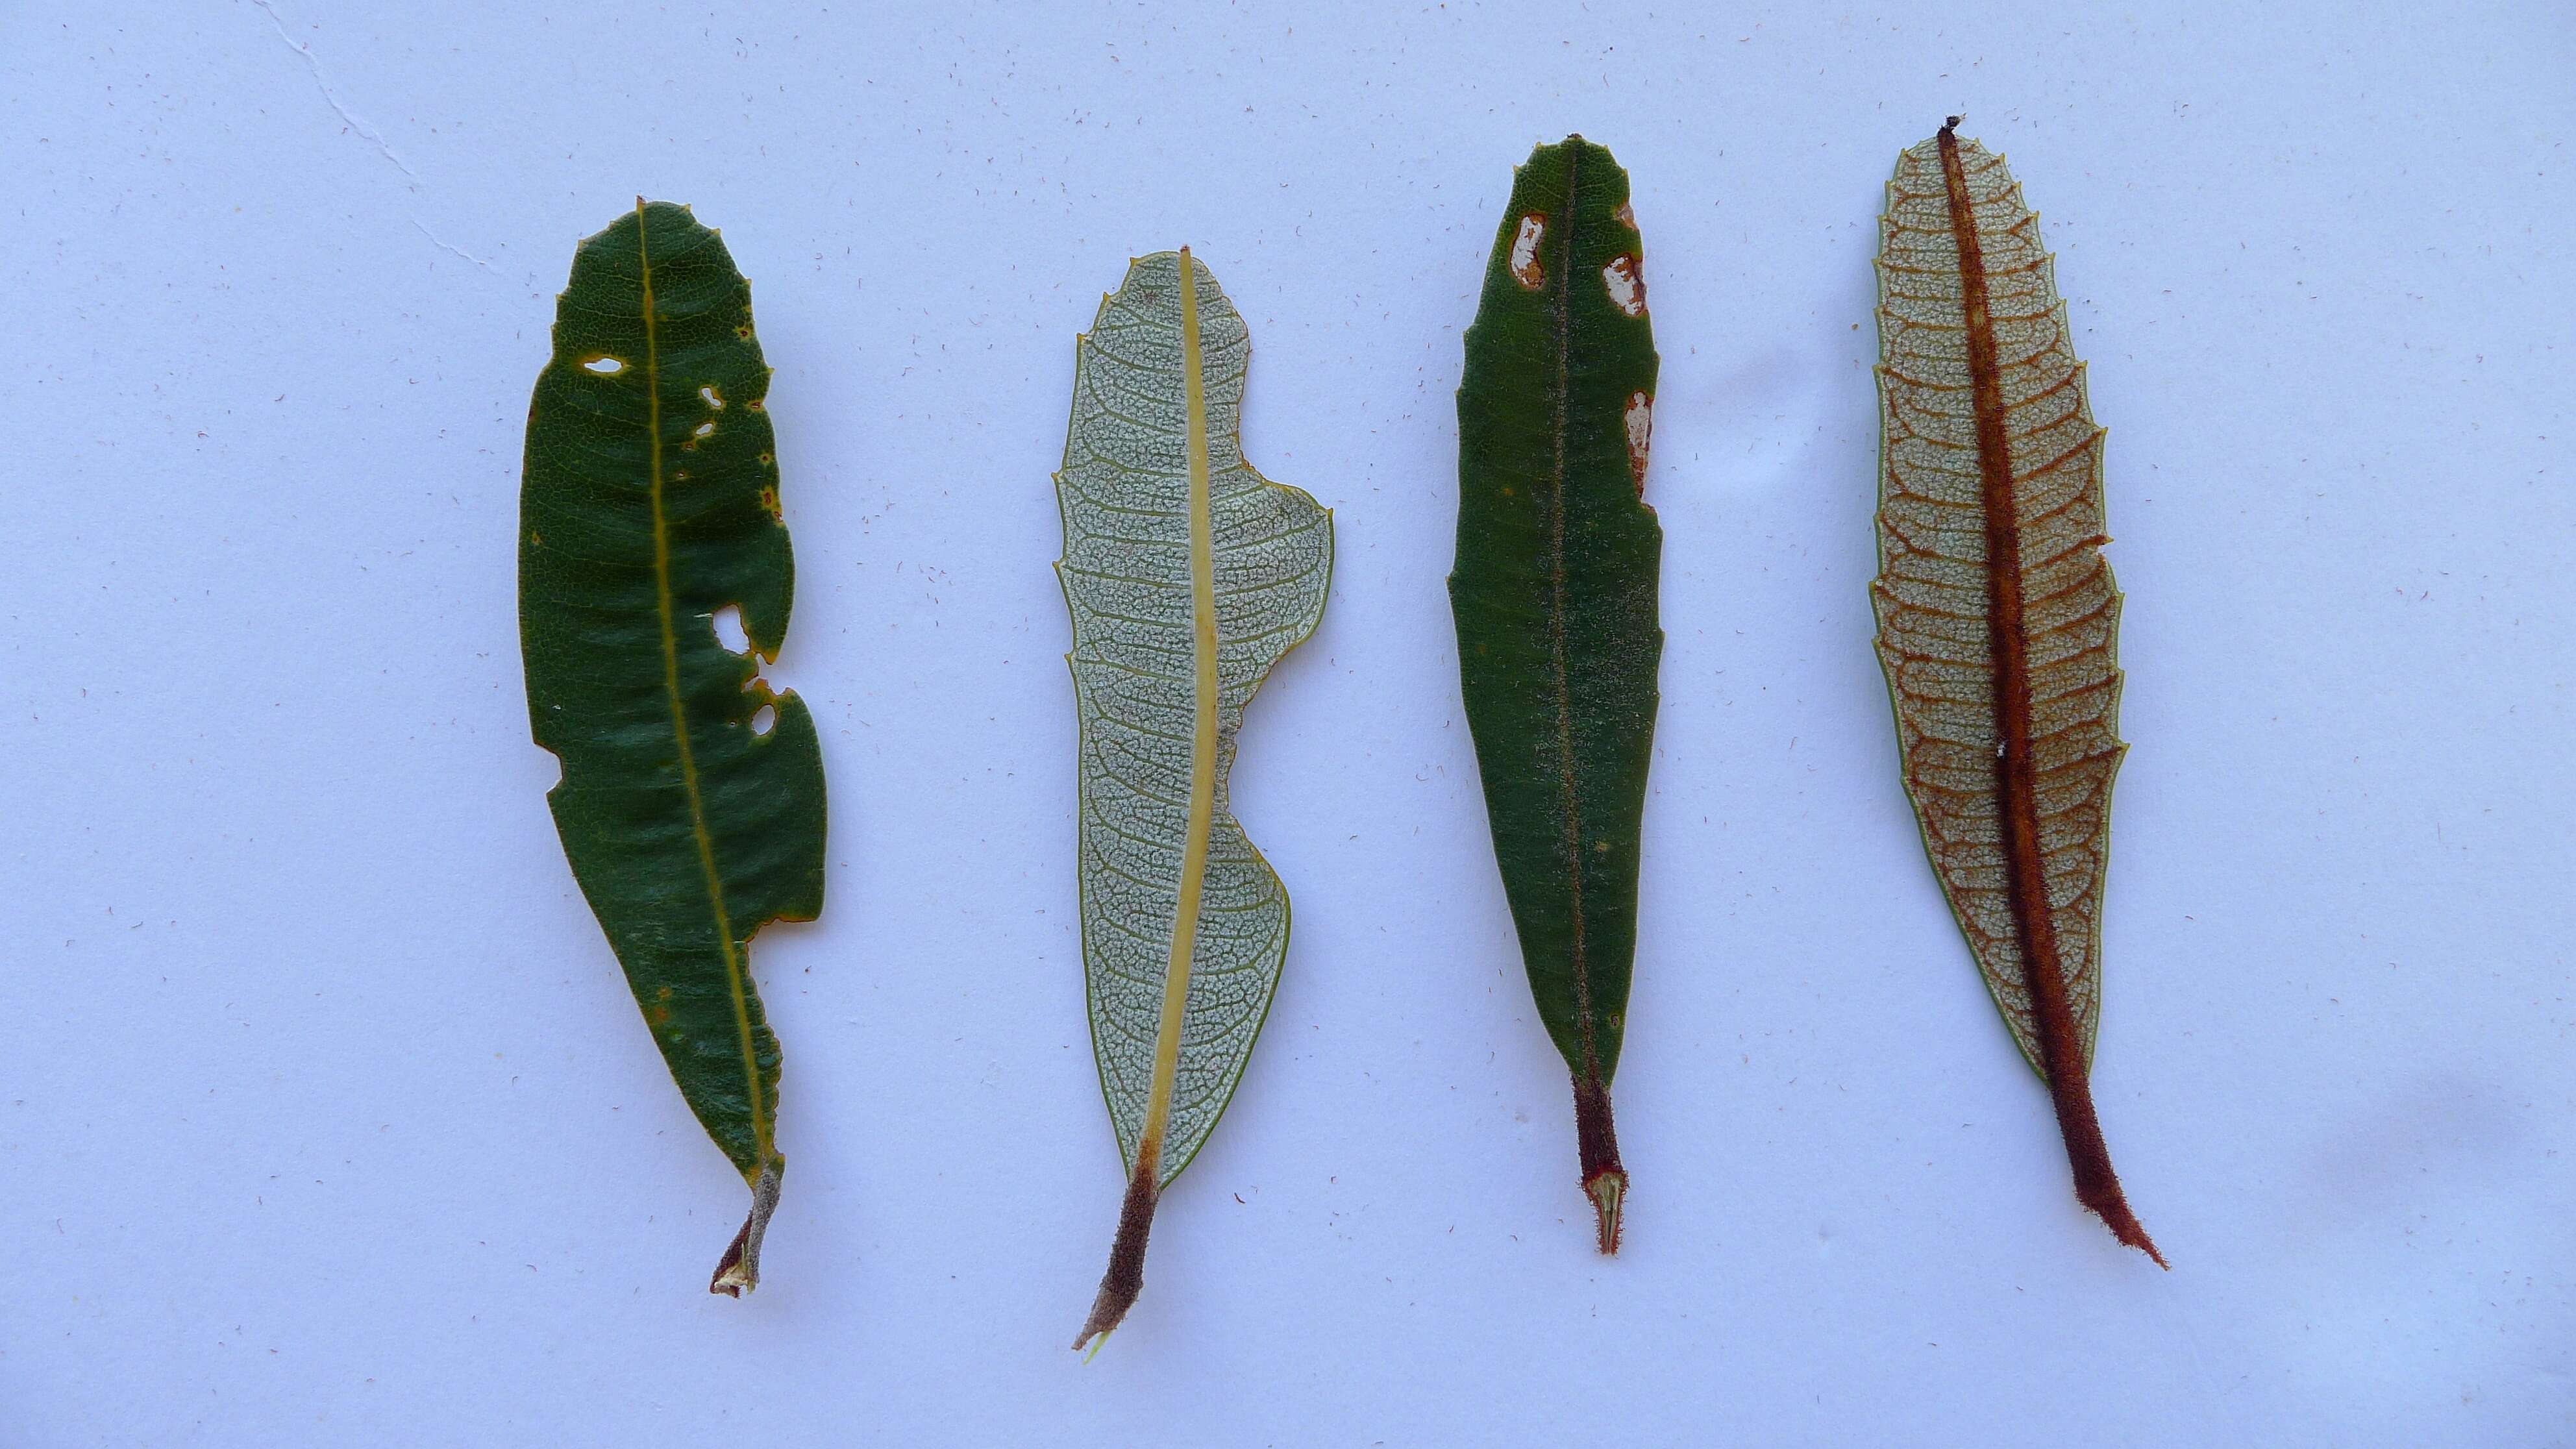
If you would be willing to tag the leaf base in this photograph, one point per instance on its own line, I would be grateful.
(2112, 1207)
(738, 1272)
(1126, 1276)
(1597, 1140)
(1606, 1190)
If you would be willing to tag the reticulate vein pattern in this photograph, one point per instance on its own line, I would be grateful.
(1124, 490)
(1937, 606)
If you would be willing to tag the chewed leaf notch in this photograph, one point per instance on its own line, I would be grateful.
(647, 508)
(1997, 617)
(1188, 576)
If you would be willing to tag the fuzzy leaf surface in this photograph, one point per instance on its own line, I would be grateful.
(1998, 623)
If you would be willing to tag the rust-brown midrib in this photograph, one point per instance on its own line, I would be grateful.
(2017, 776)
(2016, 771)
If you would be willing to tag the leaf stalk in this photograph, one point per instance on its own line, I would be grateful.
(1597, 1143)
(738, 1272)
(1126, 1276)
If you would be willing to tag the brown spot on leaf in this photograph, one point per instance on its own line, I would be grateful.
(1525, 264)
(1627, 285)
(1641, 431)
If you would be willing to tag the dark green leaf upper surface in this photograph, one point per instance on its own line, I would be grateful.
(650, 502)
(1555, 584)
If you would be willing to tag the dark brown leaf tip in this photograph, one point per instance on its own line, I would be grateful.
(1951, 123)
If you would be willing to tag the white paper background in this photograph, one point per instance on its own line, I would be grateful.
(326, 1119)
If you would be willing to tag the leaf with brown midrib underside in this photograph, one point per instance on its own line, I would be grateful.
(1997, 619)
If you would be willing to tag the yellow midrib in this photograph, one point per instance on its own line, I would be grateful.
(1185, 919)
(734, 983)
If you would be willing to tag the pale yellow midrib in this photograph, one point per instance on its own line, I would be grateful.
(1185, 920)
(760, 1134)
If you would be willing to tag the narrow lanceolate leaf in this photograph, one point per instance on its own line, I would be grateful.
(1188, 575)
(649, 502)
(1997, 619)
(1555, 596)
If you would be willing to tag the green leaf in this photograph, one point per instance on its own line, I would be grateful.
(1188, 576)
(650, 502)
(1998, 622)
(1555, 597)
